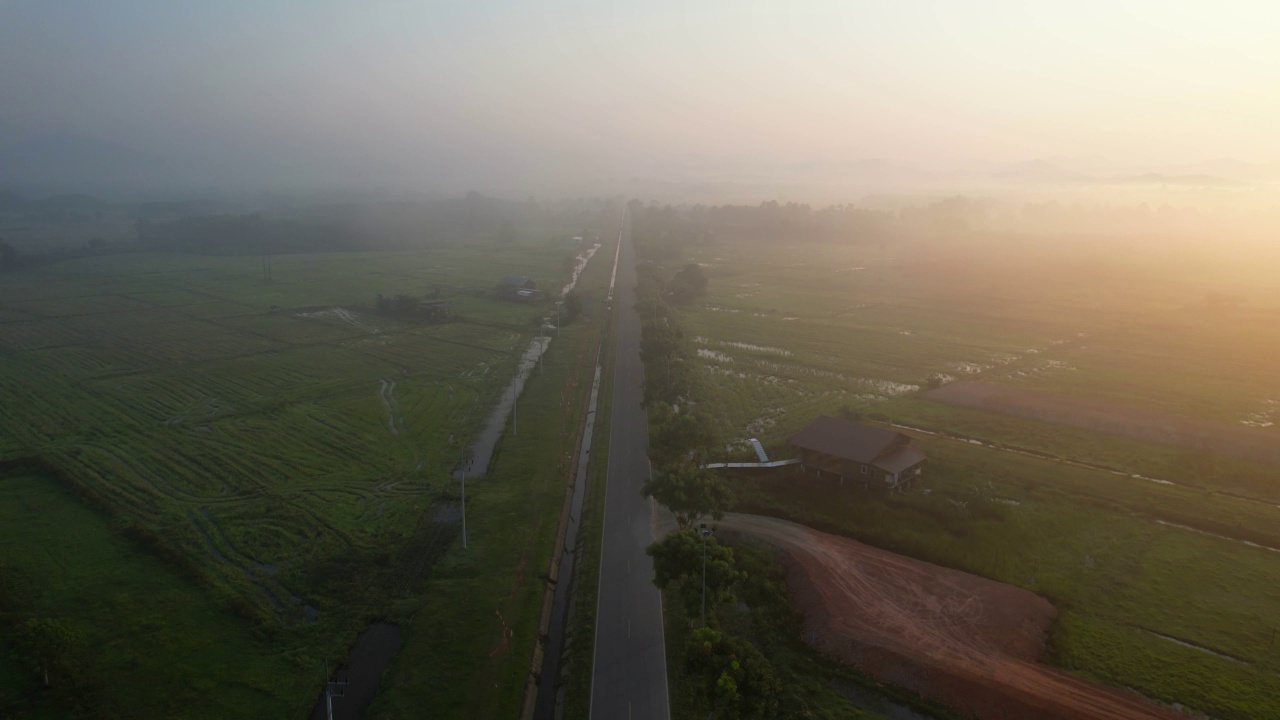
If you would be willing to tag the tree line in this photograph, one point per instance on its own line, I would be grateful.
(733, 678)
(680, 435)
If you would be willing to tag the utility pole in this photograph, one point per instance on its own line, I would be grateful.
(332, 688)
(463, 466)
(704, 531)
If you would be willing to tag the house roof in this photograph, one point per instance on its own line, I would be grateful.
(899, 459)
(845, 439)
(515, 280)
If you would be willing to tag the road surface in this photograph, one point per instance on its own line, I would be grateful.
(629, 673)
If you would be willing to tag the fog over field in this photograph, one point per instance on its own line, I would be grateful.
(817, 101)
(736, 359)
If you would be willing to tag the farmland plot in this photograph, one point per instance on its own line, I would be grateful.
(867, 323)
(787, 332)
(279, 441)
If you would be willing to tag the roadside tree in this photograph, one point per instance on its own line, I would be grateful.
(677, 562)
(690, 492)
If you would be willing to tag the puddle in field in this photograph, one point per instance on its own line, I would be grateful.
(766, 420)
(341, 315)
(714, 355)
(757, 378)
(1041, 369)
(758, 348)
(888, 387)
(1265, 417)
(750, 347)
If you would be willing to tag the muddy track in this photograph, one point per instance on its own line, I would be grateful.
(963, 640)
(387, 391)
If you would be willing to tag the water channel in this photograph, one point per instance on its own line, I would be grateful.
(551, 660)
(378, 644)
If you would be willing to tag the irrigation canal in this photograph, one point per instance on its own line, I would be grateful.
(379, 643)
(545, 709)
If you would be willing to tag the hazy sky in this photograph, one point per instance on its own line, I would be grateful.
(403, 90)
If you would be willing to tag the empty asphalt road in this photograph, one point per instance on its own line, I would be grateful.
(629, 675)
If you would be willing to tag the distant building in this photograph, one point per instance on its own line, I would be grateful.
(519, 287)
(853, 451)
(436, 308)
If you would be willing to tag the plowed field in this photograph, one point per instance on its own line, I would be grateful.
(962, 640)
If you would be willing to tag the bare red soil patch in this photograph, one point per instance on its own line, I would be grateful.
(1242, 442)
(962, 640)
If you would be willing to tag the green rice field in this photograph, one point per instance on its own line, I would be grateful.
(258, 467)
(1156, 556)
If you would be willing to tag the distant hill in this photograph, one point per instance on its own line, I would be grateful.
(16, 203)
(1036, 171)
(1195, 180)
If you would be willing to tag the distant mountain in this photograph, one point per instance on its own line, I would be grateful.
(15, 203)
(78, 161)
(1227, 168)
(1036, 171)
(1196, 180)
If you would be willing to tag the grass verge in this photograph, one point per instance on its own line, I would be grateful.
(579, 645)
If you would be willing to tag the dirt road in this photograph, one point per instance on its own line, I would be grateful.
(965, 641)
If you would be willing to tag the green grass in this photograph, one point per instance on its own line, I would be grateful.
(251, 449)
(456, 659)
(1013, 312)
(150, 648)
(790, 331)
(578, 660)
(812, 685)
(1113, 575)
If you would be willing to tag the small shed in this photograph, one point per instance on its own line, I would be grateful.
(852, 450)
(517, 282)
(519, 287)
(436, 308)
